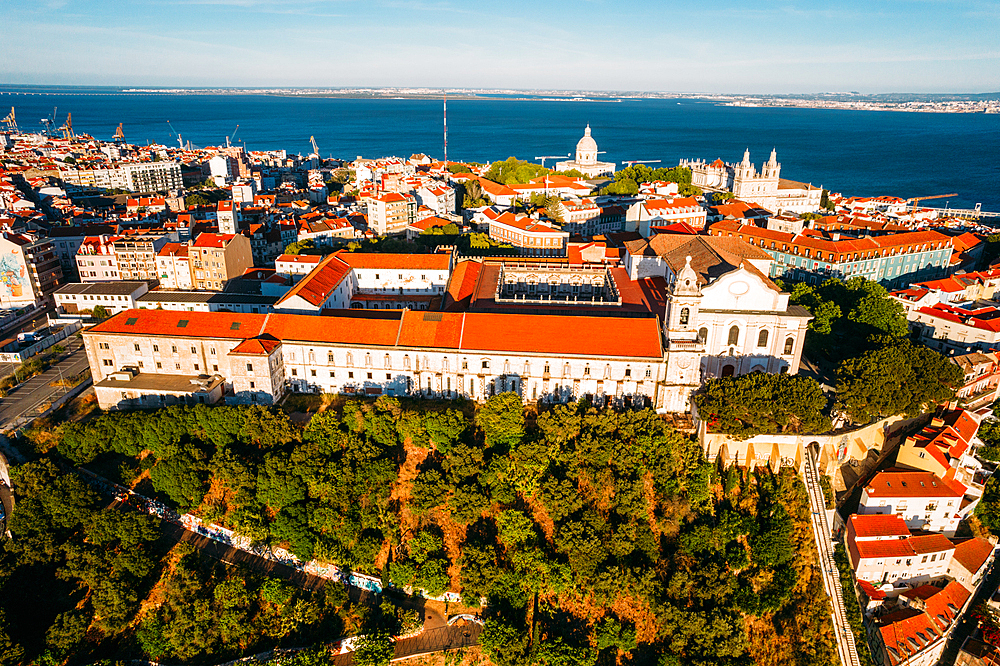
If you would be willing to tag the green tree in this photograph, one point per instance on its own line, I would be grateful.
(761, 403)
(896, 378)
(501, 419)
(100, 312)
(373, 649)
(182, 477)
(300, 247)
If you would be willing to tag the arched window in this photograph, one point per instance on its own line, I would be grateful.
(762, 338)
(406, 362)
(350, 359)
(685, 315)
(734, 335)
(368, 360)
(702, 334)
(388, 362)
(728, 370)
(789, 345)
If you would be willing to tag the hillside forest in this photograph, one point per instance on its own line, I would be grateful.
(593, 536)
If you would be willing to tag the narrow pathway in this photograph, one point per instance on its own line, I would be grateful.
(846, 647)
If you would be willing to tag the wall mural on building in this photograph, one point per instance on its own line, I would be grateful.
(12, 274)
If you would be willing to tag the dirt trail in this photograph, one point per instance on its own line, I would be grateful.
(454, 535)
(541, 516)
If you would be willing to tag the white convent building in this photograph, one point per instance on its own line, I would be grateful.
(712, 312)
(586, 159)
(765, 188)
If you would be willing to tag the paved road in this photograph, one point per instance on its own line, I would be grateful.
(846, 647)
(36, 391)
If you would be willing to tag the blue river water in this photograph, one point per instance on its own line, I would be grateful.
(861, 153)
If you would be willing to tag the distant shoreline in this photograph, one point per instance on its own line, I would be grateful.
(986, 103)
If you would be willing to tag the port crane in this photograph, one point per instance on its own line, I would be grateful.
(312, 140)
(67, 128)
(180, 141)
(633, 162)
(11, 121)
(914, 200)
(47, 123)
(228, 144)
(119, 136)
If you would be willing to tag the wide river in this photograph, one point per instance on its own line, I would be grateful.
(861, 153)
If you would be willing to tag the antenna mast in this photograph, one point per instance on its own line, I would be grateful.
(445, 130)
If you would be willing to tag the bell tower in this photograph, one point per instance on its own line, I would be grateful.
(683, 301)
(685, 347)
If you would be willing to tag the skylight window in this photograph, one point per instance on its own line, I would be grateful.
(235, 326)
(182, 323)
(131, 321)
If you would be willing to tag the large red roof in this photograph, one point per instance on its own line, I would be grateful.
(610, 337)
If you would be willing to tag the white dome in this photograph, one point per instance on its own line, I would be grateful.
(587, 143)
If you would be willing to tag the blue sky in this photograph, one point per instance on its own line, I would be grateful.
(720, 46)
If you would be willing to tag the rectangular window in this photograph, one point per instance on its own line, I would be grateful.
(194, 350)
(249, 367)
(107, 362)
(350, 375)
(252, 385)
(196, 367)
(313, 372)
(156, 348)
(295, 372)
(159, 366)
(215, 368)
(137, 346)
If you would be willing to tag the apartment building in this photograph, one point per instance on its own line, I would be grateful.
(391, 213)
(218, 258)
(135, 255)
(893, 260)
(534, 238)
(883, 551)
(173, 266)
(957, 329)
(29, 270)
(135, 177)
(96, 260)
(981, 379)
(916, 633)
(922, 499)
(661, 212)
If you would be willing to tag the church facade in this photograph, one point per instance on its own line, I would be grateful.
(586, 159)
(724, 316)
(765, 188)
